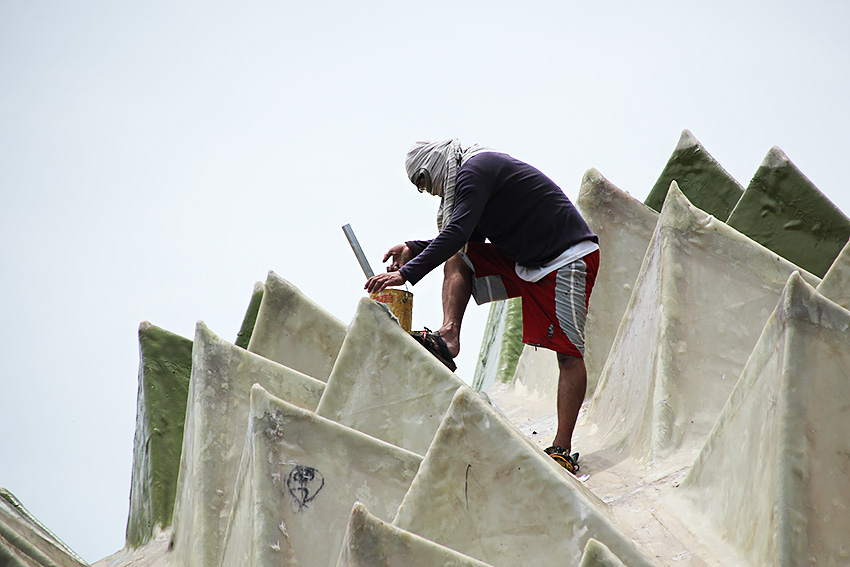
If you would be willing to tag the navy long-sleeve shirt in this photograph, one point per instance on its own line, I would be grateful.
(511, 204)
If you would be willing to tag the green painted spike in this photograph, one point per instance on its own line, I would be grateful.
(247, 328)
(512, 342)
(501, 345)
(784, 211)
(703, 181)
(164, 369)
(25, 541)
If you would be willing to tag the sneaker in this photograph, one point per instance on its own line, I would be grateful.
(559, 454)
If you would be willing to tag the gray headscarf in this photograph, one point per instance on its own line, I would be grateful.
(441, 159)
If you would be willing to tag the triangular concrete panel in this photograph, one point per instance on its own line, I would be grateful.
(836, 282)
(243, 337)
(294, 331)
(371, 542)
(785, 212)
(624, 226)
(26, 542)
(165, 364)
(597, 555)
(700, 301)
(486, 491)
(386, 384)
(299, 478)
(774, 476)
(704, 181)
(536, 376)
(215, 429)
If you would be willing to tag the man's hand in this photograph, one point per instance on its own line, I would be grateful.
(400, 254)
(381, 281)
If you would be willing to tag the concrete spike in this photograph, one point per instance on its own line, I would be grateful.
(501, 345)
(165, 362)
(784, 436)
(624, 226)
(479, 467)
(371, 542)
(292, 330)
(26, 542)
(776, 158)
(700, 301)
(597, 555)
(250, 319)
(386, 384)
(836, 282)
(216, 424)
(707, 185)
(536, 377)
(785, 212)
(299, 478)
(686, 141)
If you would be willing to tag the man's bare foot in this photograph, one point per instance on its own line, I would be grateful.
(451, 336)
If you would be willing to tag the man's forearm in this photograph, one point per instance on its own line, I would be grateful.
(417, 246)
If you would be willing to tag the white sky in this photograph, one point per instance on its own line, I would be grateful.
(158, 158)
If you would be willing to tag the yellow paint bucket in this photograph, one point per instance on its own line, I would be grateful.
(400, 303)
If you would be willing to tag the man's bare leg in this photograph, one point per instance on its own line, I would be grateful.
(572, 385)
(457, 289)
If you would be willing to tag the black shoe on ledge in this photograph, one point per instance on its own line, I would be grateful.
(434, 343)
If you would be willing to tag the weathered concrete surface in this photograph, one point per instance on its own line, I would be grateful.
(299, 478)
(784, 436)
(214, 437)
(243, 337)
(785, 212)
(486, 491)
(536, 376)
(386, 384)
(153, 553)
(294, 331)
(164, 368)
(26, 542)
(597, 555)
(371, 542)
(836, 282)
(624, 226)
(699, 304)
(703, 181)
(501, 345)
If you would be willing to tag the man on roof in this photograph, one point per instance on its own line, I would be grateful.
(539, 249)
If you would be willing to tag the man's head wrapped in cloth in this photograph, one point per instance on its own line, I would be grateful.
(432, 167)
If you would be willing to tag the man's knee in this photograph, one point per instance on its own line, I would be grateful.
(569, 361)
(457, 265)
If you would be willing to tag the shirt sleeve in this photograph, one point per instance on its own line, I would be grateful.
(471, 195)
(417, 246)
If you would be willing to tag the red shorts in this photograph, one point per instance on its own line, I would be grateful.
(554, 309)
